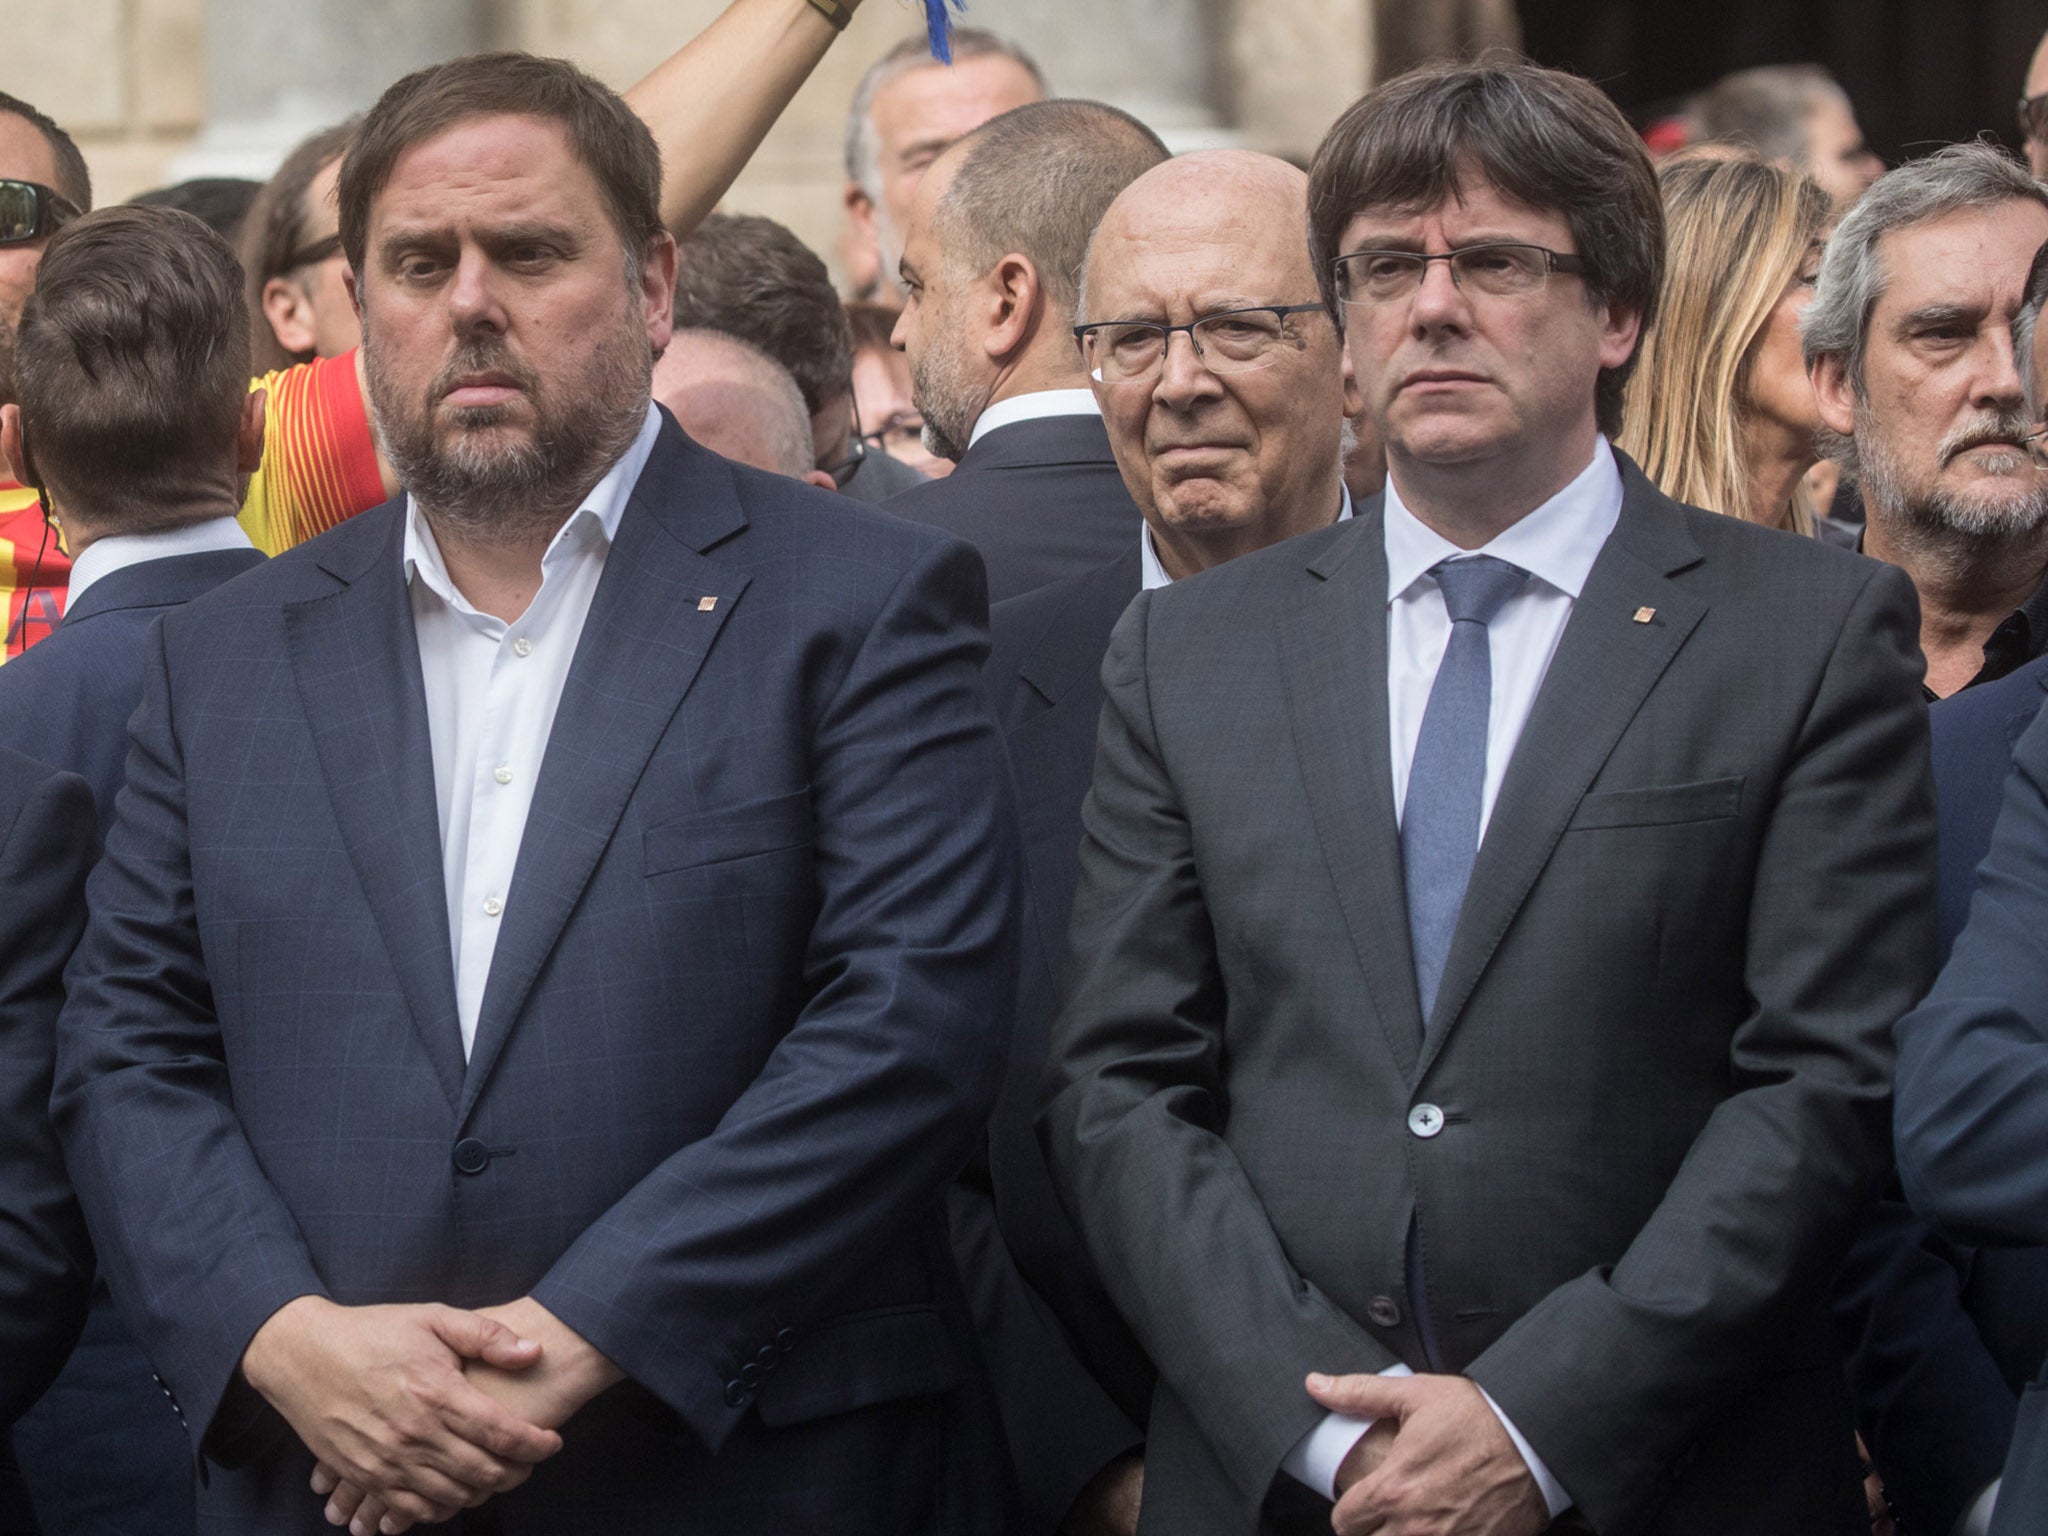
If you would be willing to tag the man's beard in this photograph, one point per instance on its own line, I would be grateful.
(1948, 513)
(943, 396)
(510, 489)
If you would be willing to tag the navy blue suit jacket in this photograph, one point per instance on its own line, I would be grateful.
(103, 1449)
(746, 1016)
(1042, 500)
(1073, 1384)
(1972, 1087)
(1942, 1336)
(67, 700)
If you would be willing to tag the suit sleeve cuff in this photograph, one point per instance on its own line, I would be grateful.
(1555, 1499)
(1318, 1454)
(1976, 1520)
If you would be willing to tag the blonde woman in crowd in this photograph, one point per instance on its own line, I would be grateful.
(1719, 412)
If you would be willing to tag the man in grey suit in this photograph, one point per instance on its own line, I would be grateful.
(1492, 910)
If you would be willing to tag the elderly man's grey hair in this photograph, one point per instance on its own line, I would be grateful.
(1766, 109)
(863, 150)
(1852, 276)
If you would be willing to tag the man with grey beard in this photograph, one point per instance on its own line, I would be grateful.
(560, 933)
(1909, 342)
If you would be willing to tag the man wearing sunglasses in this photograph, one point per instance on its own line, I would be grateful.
(1492, 911)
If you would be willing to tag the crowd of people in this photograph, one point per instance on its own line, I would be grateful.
(1242, 848)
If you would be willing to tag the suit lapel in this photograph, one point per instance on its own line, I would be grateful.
(642, 644)
(357, 664)
(1606, 664)
(1333, 655)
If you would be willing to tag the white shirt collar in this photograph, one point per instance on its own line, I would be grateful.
(1033, 407)
(600, 514)
(102, 557)
(1557, 543)
(1153, 569)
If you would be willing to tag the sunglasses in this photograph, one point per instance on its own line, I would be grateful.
(29, 210)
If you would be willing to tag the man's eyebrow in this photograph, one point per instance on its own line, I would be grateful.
(1929, 315)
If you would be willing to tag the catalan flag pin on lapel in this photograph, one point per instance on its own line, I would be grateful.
(706, 604)
(1644, 615)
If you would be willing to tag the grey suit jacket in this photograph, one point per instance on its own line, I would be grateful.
(1660, 1048)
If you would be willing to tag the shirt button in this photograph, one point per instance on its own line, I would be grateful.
(502, 775)
(493, 906)
(1425, 1120)
(522, 646)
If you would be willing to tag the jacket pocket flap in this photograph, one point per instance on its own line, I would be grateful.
(730, 832)
(853, 1362)
(1660, 804)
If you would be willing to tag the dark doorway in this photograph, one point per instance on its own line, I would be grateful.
(1921, 72)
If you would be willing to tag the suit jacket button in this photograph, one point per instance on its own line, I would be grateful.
(1425, 1120)
(736, 1394)
(1383, 1312)
(784, 1339)
(750, 1374)
(769, 1357)
(471, 1155)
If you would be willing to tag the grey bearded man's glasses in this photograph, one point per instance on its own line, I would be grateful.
(1232, 341)
(1499, 270)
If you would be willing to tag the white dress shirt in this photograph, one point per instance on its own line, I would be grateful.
(492, 691)
(1152, 570)
(1035, 406)
(117, 551)
(1557, 545)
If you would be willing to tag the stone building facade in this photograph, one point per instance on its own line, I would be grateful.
(157, 90)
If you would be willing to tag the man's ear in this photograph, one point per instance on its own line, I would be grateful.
(11, 448)
(820, 479)
(289, 310)
(1618, 337)
(658, 290)
(1354, 397)
(1833, 395)
(249, 433)
(1013, 302)
(355, 298)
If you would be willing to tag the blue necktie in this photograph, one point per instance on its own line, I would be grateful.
(1440, 817)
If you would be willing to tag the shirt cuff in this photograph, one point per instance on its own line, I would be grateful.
(1318, 1454)
(1976, 1520)
(1555, 1499)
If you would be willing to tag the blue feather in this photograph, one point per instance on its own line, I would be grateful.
(939, 24)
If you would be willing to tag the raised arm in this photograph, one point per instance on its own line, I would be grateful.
(712, 101)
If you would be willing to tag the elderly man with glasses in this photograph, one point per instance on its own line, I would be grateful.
(1492, 909)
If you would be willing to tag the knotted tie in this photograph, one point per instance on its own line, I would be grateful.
(1440, 818)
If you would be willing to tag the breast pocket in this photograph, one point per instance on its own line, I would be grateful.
(1660, 805)
(729, 833)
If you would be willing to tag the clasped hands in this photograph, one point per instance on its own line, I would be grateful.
(1436, 1461)
(415, 1412)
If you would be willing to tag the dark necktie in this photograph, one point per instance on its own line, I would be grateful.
(1440, 817)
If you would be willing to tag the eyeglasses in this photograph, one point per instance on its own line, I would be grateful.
(1231, 341)
(897, 433)
(856, 446)
(2033, 115)
(311, 255)
(29, 210)
(1499, 270)
(2036, 444)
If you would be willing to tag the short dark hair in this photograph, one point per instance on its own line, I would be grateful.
(603, 132)
(218, 202)
(73, 179)
(274, 234)
(132, 364)
(1544, 138)
(1036, 181)
(750, 277)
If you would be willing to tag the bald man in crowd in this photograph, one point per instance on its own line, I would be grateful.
(996, 240)
(1211, 237)
(738, 401)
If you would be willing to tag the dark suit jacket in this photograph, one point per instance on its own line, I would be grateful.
(746, 1016)
(48, 842)
(1973, 1080)
(103, 1448)
(1073, 1384)
(67, 700)
(1660, 1058)
(1944, 1336)
(1042, 500)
